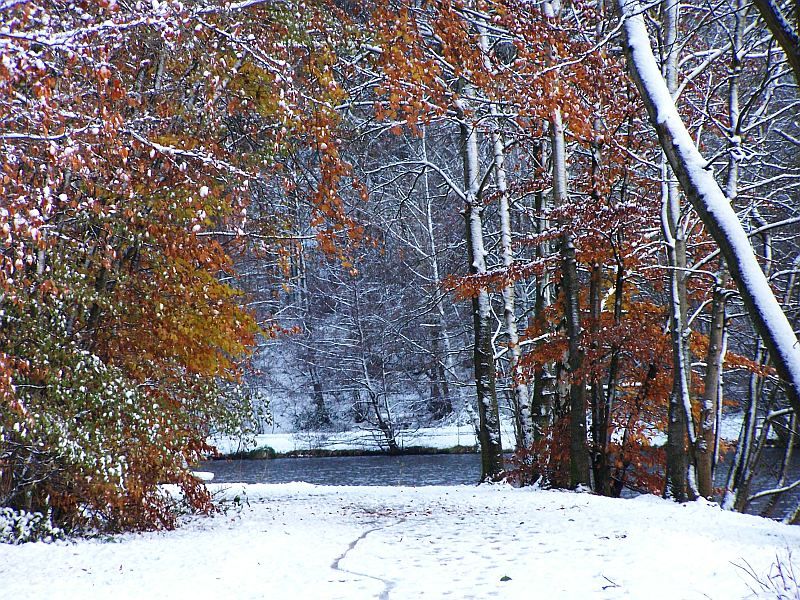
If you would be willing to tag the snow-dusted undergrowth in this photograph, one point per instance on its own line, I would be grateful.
(19, 527)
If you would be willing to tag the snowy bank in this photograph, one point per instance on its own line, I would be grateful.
(440, 438)
(303, 541)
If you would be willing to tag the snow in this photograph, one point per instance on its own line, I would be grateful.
(302, 541)
(442, 437)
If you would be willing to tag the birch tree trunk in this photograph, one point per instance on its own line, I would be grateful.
(579, 464)
(707, 443)
(680, 429)
(522, 406)
(542, 393)
(709, 201)
(488, 412)
(521, 395)
(579, 469)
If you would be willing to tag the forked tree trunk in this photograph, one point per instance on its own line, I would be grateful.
(520, 393)
(680, 430)
(488, 413)
(679, 483)
(579, 470)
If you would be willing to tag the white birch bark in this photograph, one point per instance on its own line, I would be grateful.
(711, 401)
(579, 456)
(680, 429)
(488, 412)
(521, 394)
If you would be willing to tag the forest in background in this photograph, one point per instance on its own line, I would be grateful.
(391, 215)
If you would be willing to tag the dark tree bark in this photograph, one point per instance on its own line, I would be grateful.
(706, 440)
(579, 468)
(782, 30)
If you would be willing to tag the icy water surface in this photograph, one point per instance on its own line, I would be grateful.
(437, 469)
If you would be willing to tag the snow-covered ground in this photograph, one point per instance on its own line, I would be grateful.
(298, 541)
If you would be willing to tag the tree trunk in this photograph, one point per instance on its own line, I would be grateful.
(520, 393)
(579, 471)
(488, 412)
(706, 440)
(321, 418)
(442, 354)
(542, 393)
(680, 430)
(711, 402)
(520, 388)
(740, 469)
(782, 30)
(598, 407)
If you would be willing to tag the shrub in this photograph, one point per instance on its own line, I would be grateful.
(18, 527)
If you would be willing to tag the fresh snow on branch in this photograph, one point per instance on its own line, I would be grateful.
(708, 199)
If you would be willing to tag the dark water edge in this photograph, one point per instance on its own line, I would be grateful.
(269, 453)
(434, 469)
(405, 469)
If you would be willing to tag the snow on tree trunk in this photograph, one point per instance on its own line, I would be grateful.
(705, 448)
(542, 393)
(710, 202)
(488, 412)
(521, 396)
(783, 32)
(711, 403)
(578, 455)
(680, 428)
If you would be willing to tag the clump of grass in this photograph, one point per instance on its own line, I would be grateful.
(781, 581)
(260, 453)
